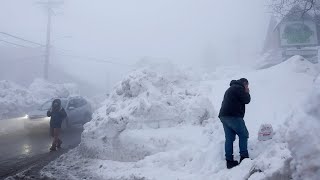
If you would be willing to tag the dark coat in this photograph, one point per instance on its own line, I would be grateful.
(234, 101)
(56, 117)
(57, 114)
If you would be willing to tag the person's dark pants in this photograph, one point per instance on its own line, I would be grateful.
(235, 126)
(55, 134)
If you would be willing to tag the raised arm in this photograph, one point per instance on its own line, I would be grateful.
(63, 113)
(244, 96)
(49, 113)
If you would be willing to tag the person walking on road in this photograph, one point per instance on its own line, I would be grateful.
(57, 114)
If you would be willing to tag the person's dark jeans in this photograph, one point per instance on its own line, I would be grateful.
(235, 126)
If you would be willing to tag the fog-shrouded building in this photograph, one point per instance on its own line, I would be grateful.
(296, 33)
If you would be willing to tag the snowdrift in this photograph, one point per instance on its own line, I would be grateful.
(15, 100)
(303, 137)
(163, 125)
(144, 101)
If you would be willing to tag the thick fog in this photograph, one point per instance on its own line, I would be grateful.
(100, 41)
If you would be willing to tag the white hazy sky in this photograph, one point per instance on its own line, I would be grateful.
(187, 32)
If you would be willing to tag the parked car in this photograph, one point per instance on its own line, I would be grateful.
(78, 109)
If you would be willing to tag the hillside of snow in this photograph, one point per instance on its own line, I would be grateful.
(16, 100)
(161, 123)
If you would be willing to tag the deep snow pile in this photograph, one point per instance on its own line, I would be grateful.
(146, 99)
(304, 138)
(270, 58)
(157, 125)
(16, 100)
(13, 99)
(43, 90)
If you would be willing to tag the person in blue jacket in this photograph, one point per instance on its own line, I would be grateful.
(57, 114)
(231, 115)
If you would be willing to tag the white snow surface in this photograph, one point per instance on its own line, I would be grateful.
(16, 100)
(161, 124)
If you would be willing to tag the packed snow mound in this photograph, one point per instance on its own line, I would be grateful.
(42, 89)
(269, 59)
(303, 137)
(146, 99)
(298, 64)
(284, 95)
(13, 99)
(16, 100)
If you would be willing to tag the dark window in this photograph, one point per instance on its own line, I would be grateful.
(76, 103)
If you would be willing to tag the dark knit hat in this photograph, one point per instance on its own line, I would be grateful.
(244, 81)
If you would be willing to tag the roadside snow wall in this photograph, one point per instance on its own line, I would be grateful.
(16, 100)
(145, 99)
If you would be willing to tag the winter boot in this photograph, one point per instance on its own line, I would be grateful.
(242, 158)
(59, 144)
(231, 164)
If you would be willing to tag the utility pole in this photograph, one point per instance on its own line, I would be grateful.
(47, 56)
(49, 4)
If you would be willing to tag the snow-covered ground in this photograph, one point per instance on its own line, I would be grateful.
(161, 123)
(16, 100)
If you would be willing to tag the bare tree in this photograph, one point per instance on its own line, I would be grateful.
(283, 7)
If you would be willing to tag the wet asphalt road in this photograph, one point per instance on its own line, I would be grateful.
(22, 150)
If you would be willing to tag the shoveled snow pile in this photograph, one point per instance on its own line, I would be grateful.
(144, 101)
(43, 90)
(270, 58)
(15, 100)
(163, 125)
(304, 138)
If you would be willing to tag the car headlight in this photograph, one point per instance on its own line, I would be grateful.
(26, 116)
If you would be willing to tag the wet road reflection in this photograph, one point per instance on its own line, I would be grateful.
(18, 144)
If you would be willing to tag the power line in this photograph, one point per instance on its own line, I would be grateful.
(74, 52)
(65, 52)
(95, 59)
(62, 51)
(29, 58)
(22, 39)
(15, 44)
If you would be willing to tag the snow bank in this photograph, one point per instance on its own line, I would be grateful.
(155, 127)
(16, 100)
(303, 137)
(146, 99)
(43, 90)
(269, 59)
